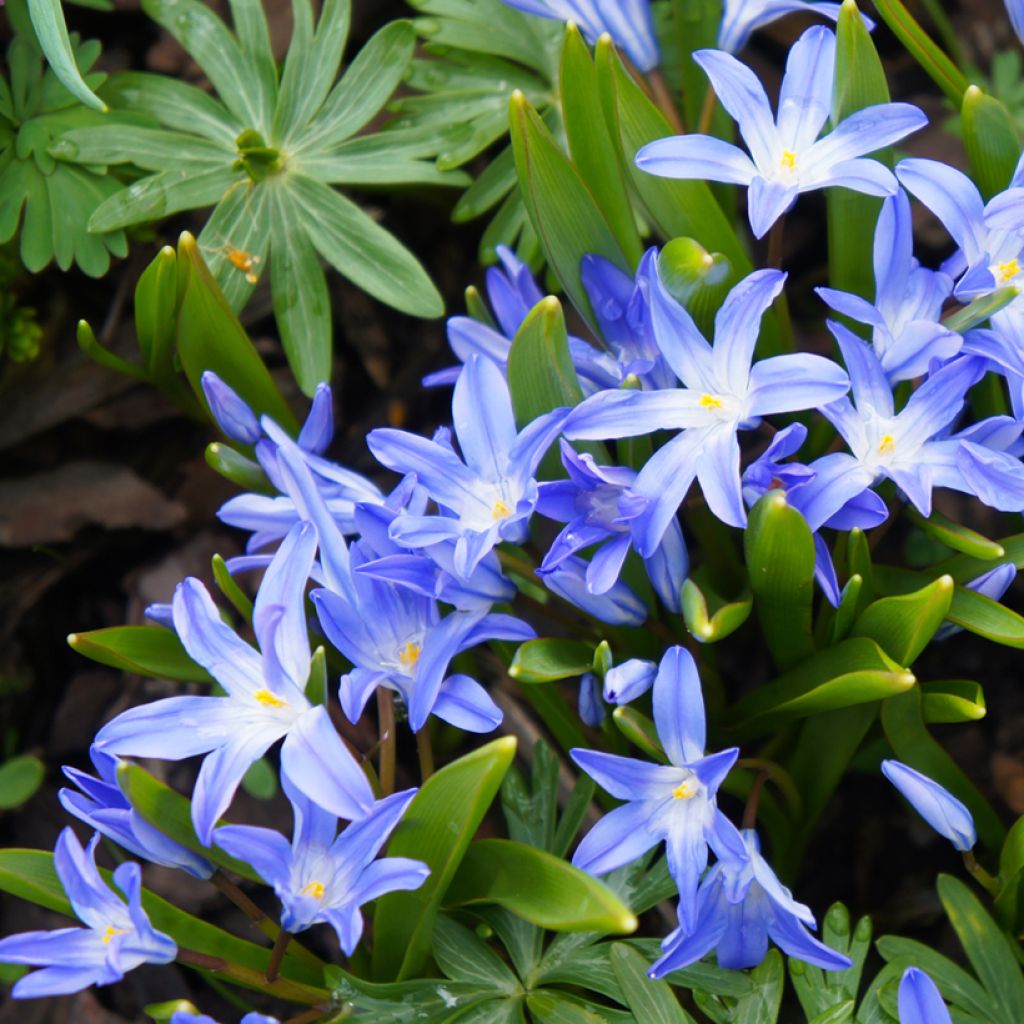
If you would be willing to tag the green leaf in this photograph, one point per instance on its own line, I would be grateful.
(912, 743)
(846, 613)
(463, 956)
(20, 777)
(547, 660)
(946, 75)
(551, 1007)
(537, 887)
(437, 829)
(210, 337)
(234, 466)
(856, 671)
(52, 33)
(860, 82)
(761, 1005)
(980, 310)
(651, 1001)
(302, 307)
(640, 731)
(697, 279)
(991, 139)
(709, 626)
(563, 212)
(260, 780)
(828, 996)
(361, 250)
(959, 538)
(678, 209)
(987, 948)
(594, 152)
(145, 650)
(780, 562)
(30, 875)
(903, 626)
(541, 375)
(1009, 903)
(945, 701)
(230, 589)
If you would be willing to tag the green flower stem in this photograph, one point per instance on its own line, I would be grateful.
(663, 97)
(425, 750)
(283, 988)
(277, 955)
(707, 112)
(386, 724)
(981, 876)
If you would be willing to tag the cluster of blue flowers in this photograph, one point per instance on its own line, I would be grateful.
(405, 581)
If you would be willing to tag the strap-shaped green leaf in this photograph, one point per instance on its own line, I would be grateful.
(145, 650)
(992, 140)
(651, 1001)
(958, 537)
(464, 956)
(52, 32)
(944, 701)
(549, 659)
(903, 626)
(437, 829)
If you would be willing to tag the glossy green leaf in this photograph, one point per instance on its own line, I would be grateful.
(20, 778)
(594, 151)
(210, 337)
(1009, 902)
(171, 813)
(552, 1007)
(548, 659)
(946, 75)
(710, 618)
(640, 731)
(697, 279)
(563, 212)
(959, 538)
(651, 1001)
(945, 701)
(543, 889)
(230, 589)
(437, 829)
(678, 209)
(990, 619)
(780, 562)
(233, 466)
(846, 613)
(903, 626)
(980, 310)
(855, 671)
(145, 650)
(991, 139)
(912, 743)
(30, 875)
(860, 81)
(987, 948)
(52, 33)
(541, 375)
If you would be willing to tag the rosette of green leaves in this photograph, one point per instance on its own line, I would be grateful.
(266, 153)
(478, 53)
(51, 199)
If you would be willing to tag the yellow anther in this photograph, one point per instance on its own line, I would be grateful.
(887, 445)
(710, 402)
(500, 510)
(685, 791)
(269, 700)
(409, 655)
(788, 160)
(111, 931)
(314, 890)
(1007, 271)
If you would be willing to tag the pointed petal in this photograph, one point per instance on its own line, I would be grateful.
(685, 349)
(173, 728)
(718, 472)
(866, 131)
(606, 564)
(679, 707)
(806, 94)
(664, 481)
(614, 414)
(464, 703)
(390, 874)
(317, 431)
(871, 388)
(267, 852)
(700, 157)
(626, 778)
(738, 323)
(767, 201)
(483, 418)
(952, 197)
(618, 838)
(793, 382)
(869, 177)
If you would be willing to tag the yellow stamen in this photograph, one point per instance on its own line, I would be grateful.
(886, 445)
(788, 160)
(314, 890)
(268, 700)
(111, 931)
(409, 655)
(500, 510)
(685, 791)
(710, 402)
(1007, 271)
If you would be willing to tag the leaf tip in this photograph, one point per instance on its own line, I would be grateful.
(74, 641)
(905, 680)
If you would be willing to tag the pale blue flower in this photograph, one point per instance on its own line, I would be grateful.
(787, 157)
(118, 936)
(673, 802)
(619, 605)
(943, 811)
(742, 18)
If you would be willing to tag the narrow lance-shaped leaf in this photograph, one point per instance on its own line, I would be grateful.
(145, 650)
(903, 626)
(991, 139)
(549, 659)
(52, 32)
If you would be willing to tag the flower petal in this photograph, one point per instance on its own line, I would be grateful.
(679, 707)
(700, 157)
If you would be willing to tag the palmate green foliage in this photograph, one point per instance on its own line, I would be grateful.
(478, 53)
(47, 201)
(266, 153)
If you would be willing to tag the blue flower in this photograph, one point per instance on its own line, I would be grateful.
(102, 805)
(598, 504)
(906, 333)
(626, 682)
(590, 706)
(117, 938)
(181, 1017)
(322, 876)
(919, 1000)
(1015, 9)
(619, 605)
(489, 497)
(741, 904)
(628, 22)
(786, 155)
(723, 394)
(270, 517)
(943, 811)
(265, 698)
(673, 802)
(741, 18)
